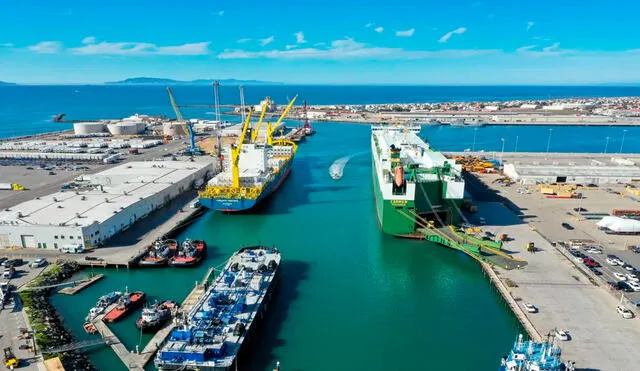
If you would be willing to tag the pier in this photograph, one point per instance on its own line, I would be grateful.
(135, 360)
(81, 285)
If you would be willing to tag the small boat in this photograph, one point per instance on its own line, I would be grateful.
(190, 253)
(457, 123)
(154, 317)
(126, 304)
(336, 170)
(159, 253)
(90, 328)
(103, 302)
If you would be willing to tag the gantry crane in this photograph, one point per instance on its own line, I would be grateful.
(235, 152)
(192, 150)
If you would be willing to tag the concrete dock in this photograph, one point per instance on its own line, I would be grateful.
(137, 360)
(82, 285)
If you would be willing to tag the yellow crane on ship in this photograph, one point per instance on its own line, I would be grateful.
(235, 152)
(254, 133)
(271, 128)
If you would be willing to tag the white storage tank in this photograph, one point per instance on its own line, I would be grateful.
(126, 128)
(84, 128)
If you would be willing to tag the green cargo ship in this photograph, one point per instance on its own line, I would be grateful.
(412, 183)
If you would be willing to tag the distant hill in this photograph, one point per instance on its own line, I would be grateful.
(160, 81)
(6, 83)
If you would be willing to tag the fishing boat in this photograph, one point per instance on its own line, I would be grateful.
(535, 356)
(154, 317)
(159, 253)
(90, 328)
(126, 304)
(216, 329)
(190, 253)
(103, 302)
(412, 182)
(252, 170)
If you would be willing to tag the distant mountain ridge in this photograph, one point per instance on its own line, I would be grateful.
(161, 81)
(6, 83)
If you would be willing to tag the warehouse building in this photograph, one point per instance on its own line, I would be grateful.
(594, 173)
(99, 205)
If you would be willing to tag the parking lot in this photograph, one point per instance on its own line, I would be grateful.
(13, 318)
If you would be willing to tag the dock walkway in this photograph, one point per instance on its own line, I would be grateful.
(81, 285)
(137, 361)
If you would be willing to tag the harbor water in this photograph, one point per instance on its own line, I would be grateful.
(349, 297)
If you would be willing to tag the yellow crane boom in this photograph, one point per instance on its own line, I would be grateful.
(176, 109)
(271, 128)
(254, 134)
(235, 153)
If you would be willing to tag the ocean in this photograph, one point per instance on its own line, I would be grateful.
(350, 297)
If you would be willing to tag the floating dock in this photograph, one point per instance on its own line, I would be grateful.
(81, 285)
(136, 360)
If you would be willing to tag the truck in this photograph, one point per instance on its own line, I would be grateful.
(10, 360)
(11, 187)
(72, 249)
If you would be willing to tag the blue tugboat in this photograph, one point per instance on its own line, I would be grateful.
(212, 334)
(535, 356)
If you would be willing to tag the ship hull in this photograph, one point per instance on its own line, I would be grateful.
(396, 220)
(153, 263)
(242, 204)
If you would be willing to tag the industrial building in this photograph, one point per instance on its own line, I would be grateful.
(98, 206)
(593, 172)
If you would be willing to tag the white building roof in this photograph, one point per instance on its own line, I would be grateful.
(106, 192)
(586, 171)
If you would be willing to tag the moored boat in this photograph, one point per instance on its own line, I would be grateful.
(159, 253)
(154, 317)
(90, 328)
(126, 304)
(190, 252)
(217, 328)
(535, 356)
(103, 302)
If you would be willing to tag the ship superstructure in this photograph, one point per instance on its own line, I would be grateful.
(252, 170)
(535, 356)
(212, 334)
(411, 180)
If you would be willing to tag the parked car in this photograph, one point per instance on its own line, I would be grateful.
(530, 308)
(595, 271)
(591, 263)
(579, 209)
(619, 276)
(594, 250)
(624, 312)
(561, 334)
(632, 277)
(612, 261)
(634, 285)
(567, 226)
(628, 267)
(626, 286)
(37, 263)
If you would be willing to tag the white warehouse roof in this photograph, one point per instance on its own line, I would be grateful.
(105, 194)
(586, 171)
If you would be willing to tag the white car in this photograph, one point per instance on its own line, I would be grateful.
(530, 308)
(629, 267)
(619, 276)
(594, 250)
(632, 277)
(634, 285)
(561, 334)
(40, 262)
(624, 312)
(611, 261)
(620, 262)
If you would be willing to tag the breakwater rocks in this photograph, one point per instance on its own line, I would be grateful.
(45, 322)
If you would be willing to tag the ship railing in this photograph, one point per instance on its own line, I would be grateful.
(251, 193)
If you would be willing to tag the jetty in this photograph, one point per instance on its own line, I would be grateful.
(136, 360)
(81, 285)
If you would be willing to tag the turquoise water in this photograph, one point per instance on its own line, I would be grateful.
(350, 298)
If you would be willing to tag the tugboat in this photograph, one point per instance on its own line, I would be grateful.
(190, 253)
(535, 356)
(103, 302)
(153, 318)
(159, 253)
(126, 304)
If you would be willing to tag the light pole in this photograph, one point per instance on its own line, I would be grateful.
(549, 141)
(606, 145)
(516, 148)
(624, 134)
(475, 132)
(502, 153)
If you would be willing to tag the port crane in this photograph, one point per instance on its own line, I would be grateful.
(254, 133)
(271, 128)
(235, 152)
(192, 150)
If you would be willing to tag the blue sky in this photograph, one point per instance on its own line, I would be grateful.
(348, 41)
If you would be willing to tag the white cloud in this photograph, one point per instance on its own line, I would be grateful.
(319, 44)
(379, 29)
(221, 13)
(351, 49)
(46, 47)
(529, 25)
(89, 40)
(291, 46)
(6, 45)
(300, 37)
(368, 25)
(406, 33)
(447, 36)
(526, 48)
(244, 40)
(136, 48)
(266, 41)
(551, 50)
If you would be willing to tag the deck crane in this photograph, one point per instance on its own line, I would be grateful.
(192, 150)
(254, 133)
(235, 152)
(271, 128)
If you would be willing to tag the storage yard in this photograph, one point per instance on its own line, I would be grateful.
(95, 207)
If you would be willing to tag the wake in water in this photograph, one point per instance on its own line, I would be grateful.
(336, 170)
